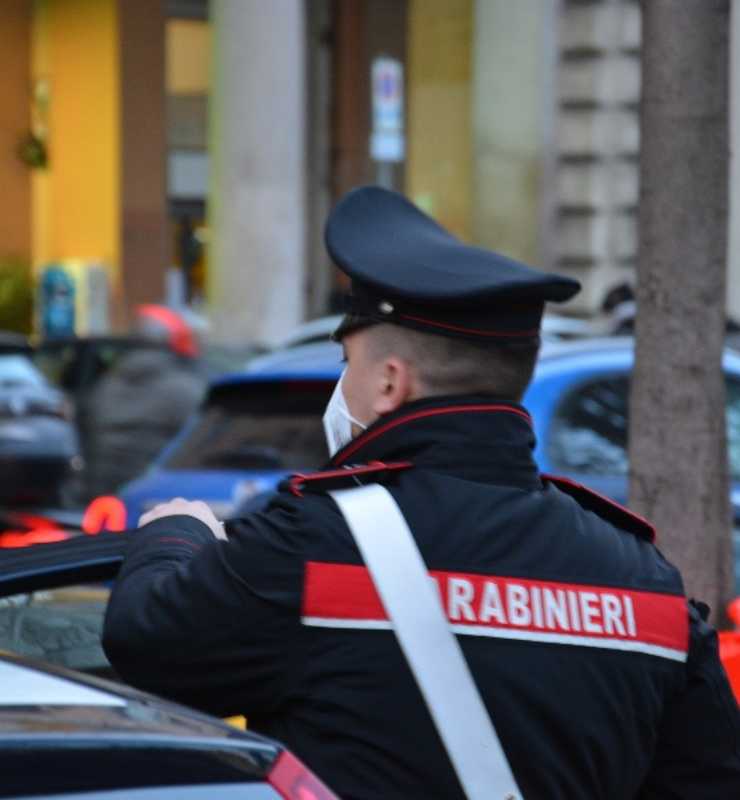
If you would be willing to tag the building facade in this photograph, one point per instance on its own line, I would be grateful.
(214, 137)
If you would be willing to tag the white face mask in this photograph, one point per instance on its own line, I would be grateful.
(338, 420)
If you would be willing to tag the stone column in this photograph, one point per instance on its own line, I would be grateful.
(257, 203)
(510, 118)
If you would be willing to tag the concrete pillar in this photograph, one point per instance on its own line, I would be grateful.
(511, 114)
(438, 165)
(319, 144)
(257, 202)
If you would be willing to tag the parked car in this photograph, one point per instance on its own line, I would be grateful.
(39, 447)
(579, 400)
(252, 429)
(69, 734)
(65, 734)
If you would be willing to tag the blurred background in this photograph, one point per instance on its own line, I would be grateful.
(166, 168)
(187, 152)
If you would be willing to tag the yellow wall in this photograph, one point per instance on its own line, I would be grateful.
(76, 200)
(188, 56)
(439, 146)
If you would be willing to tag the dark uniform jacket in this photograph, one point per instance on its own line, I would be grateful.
(601, 680)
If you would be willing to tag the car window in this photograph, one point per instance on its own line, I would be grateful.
(589, 431)
(240, 441)
(62, 626)
(258, 427)
(16, 368)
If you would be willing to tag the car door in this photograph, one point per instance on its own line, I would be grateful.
(53, 599)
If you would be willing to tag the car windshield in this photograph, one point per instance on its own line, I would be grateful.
(18, 369)
(258, 426)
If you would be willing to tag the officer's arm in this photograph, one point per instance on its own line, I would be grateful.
(211, 623)
(698, 750)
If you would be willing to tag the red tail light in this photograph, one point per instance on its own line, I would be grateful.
(32, 530)
(294, 781)
(104, 514)
(28, 538)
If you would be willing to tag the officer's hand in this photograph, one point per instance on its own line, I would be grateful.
(190, 508)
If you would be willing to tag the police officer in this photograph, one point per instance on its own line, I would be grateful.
(601, 680)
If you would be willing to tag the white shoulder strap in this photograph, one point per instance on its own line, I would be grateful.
(431, 649)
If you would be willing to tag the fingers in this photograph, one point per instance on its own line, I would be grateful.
(181, 506)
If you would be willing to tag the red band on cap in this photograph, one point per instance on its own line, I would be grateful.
(470, 331)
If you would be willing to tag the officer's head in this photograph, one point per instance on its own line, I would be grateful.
(428, 315)
(388, 366)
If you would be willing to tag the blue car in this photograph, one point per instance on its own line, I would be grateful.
(579, 401)
(259, 425)
(252, 429)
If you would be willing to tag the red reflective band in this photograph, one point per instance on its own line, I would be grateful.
(294, 781)
(343, 596)
(104, 514)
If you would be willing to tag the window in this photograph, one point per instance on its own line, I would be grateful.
(589, 433)
(259, 426)
(62, 626)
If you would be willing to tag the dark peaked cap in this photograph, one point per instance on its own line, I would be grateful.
(408, 270)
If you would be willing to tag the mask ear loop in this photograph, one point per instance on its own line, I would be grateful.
(338, 420)
(343, 407)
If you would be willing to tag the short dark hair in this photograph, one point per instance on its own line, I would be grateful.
(448, 366)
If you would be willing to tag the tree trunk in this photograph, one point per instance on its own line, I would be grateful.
(678, 451)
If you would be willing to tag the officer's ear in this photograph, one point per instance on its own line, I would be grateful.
(396, 385)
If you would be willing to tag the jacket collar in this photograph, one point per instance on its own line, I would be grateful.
(477, 437)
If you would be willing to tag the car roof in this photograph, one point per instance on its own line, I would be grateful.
(609, 347)
(38, 698)
(315, 330)
(317, 361)
(322, 360)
